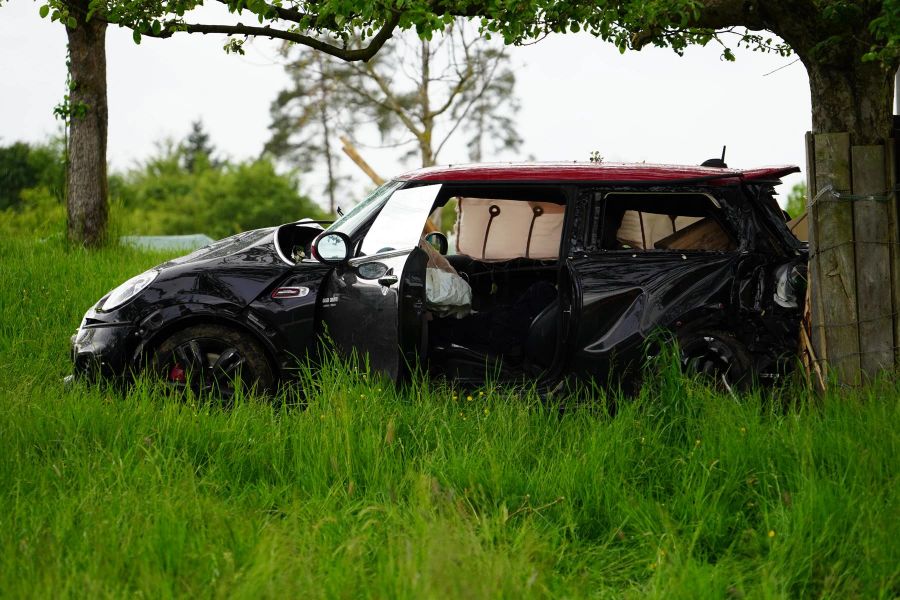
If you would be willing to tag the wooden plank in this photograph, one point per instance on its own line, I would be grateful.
(817, 336)
(836, 258)
(350, 150)
(890, 182)
(871, 221)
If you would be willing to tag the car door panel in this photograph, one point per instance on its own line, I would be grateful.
(373, 317)
(621, 298)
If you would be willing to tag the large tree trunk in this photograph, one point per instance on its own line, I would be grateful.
(854, 234)
(854, 98)
(87, 204)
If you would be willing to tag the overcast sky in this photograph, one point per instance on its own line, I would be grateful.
(577, 95)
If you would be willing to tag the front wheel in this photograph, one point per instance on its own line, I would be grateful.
(213, 360)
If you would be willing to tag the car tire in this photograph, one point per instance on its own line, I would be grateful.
(715, 354)
(213, 360)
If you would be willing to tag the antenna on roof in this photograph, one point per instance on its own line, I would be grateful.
(716, 162)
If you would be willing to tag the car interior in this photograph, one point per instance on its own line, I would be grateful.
(648, 221)
(505, 243)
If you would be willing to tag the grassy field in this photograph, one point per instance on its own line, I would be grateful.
(425, 492)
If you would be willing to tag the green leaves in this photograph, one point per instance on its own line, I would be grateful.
(44, 11)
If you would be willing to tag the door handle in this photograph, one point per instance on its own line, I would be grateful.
(388, 280)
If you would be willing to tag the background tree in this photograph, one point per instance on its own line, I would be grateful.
(422, 91)
(164, 196)
(308, 117)
(27, 166)
(85, 112)
(85, 108)
(198, 152)
(418, 92)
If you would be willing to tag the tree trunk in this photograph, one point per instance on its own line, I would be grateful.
(853, 98)
(854, 235)
(87, 204)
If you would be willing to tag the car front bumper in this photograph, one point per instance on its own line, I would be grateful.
(103, 350)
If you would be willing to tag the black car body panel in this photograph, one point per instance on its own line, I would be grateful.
(611, 296)
(228, 282)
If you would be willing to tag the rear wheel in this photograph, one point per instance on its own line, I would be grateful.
(715, 354)
(213, 360)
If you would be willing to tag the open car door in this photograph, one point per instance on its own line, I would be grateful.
(373, 305)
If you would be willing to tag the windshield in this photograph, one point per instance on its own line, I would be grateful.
(360, 213)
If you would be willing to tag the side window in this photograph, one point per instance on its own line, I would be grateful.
(659, 221)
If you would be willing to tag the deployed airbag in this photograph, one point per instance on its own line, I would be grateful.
(446, 293)
(505, 229)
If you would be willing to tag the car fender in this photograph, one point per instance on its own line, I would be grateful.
(158, 325)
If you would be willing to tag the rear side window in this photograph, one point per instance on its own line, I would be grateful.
(659, 221)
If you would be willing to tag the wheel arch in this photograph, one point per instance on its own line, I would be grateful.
(157, 336)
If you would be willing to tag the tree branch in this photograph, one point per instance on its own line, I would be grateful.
(346, 54)
(390, 103)
(487, 84)
(295, 16)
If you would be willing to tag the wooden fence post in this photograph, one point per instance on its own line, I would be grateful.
(835, 257)
(816, 311)
(890, 183)
(871, 225)
(854, 270)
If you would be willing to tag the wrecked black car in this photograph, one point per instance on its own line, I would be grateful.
(551, 271)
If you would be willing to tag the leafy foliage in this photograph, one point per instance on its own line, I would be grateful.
(25, 166)
(885, 28)
(198, 152)
(796, 200)
(627, 23)
(165, 197)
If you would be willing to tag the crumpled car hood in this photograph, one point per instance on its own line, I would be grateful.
(236, 269)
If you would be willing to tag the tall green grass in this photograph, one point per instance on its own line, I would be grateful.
(427, 490)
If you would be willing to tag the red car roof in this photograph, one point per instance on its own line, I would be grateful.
(590, 172)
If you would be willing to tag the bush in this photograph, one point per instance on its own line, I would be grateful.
(164, 197)
(24, 167)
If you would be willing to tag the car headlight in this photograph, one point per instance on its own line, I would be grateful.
(128, 290)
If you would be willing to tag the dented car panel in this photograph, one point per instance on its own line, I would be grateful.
(702, 253)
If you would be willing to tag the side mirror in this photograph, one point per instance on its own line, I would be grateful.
(438, 241)
(331, 248)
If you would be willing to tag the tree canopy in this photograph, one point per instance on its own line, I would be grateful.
(833, 38)
(331, 25)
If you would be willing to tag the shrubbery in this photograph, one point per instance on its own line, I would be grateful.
(24, 167)
(175, 192)
(164, 196)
